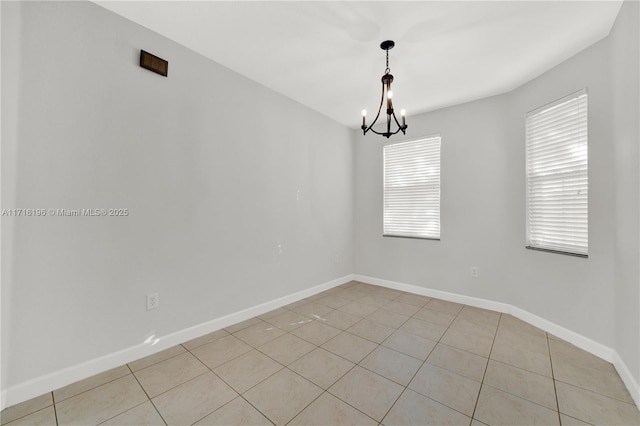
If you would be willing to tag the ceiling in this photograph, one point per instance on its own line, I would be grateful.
(326, 54)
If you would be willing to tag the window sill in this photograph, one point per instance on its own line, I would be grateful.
(411, 238)
(567, 253)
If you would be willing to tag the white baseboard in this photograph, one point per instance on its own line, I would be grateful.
(630, 382)
(47, 383)
(438, 294)
(585, 343)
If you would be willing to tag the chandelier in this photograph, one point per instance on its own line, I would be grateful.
(387, 94)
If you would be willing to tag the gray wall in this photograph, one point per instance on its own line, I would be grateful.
(483, 202)
(625, 60)
(237, 195)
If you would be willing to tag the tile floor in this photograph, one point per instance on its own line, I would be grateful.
(355, 354)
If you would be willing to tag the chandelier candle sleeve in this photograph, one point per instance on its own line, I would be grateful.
(387, 93)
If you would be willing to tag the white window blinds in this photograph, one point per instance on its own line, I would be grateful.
(412, 189)
(557, 176)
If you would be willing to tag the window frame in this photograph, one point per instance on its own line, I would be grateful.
(529, 243)
(390, 234)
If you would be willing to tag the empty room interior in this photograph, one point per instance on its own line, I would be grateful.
(331, 213)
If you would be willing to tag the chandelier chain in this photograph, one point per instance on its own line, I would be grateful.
(387, 71)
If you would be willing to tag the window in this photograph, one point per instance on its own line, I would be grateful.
(412, 189)
(557, 176)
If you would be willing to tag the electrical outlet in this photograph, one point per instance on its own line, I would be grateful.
(152, 301)
(474, 271)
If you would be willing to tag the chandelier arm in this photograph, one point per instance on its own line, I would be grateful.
(398, 124)
(386, 134)
(378, 115)
(377, 133)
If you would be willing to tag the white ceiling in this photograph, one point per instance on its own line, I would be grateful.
(326, 54)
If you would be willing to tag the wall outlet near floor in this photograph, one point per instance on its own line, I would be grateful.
(152, 301)
(474, 271)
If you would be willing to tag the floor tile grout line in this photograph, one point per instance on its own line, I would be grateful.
(538, 374)
(464, 350)
(312, 401)
(306, 406)
(350, 405)
(346, 402)
(125, 411)
(256, 408)
(383, 376)
(227, 403)
(519, 367)
(441, 403)
(362, 337)
(597, 393)
(255, 384)
(203, 343)
(553, 379)
(147, 395)
(338, 355)
(157, 362)
(498, 361)
(394, 403)
(229, 360)
(158, 411)
(55, 411)
(179, 384)
(29, 413)
(275, 360)
(486, 367)
(332, 353)
(519, 397)
(404, 353)
(94, 387)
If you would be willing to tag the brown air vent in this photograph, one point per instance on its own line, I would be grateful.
(153, 63)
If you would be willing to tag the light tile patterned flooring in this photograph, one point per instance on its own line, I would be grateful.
(355, 354)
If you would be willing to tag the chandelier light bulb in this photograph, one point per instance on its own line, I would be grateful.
(364, 112)
(390, 94)
(403, 112)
